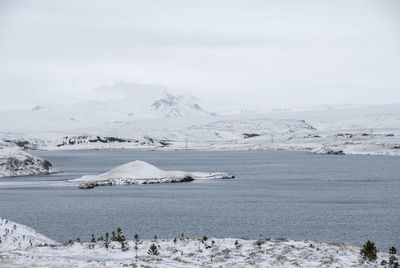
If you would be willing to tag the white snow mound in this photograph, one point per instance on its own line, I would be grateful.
(140, 172)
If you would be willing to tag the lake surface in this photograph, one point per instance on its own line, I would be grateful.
(295, 195)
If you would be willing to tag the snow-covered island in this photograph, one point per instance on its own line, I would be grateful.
(21, 246)
(16, 162)
(140, 172)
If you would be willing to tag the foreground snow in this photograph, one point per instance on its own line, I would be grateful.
(182, 252)
(140, 172)
(15, 162)
(17, 236)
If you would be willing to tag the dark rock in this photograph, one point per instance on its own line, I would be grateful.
(250, 135)
(337, 152)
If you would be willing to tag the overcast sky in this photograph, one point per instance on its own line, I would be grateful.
(281, 53)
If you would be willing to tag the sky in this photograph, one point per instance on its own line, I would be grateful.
(275, 53)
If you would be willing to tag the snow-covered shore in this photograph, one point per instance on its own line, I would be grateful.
(16, 162)
(367, 130)
(21, 246)
(140, 172)
(14, 236)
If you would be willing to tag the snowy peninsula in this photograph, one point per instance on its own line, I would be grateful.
(16, 162)
(140, 172)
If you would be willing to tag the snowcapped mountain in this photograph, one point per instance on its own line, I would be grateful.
(154, 104)
(177, 106)
(166, 105)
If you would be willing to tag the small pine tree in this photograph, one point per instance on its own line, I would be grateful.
(136, 245)
(124, 246)
(106, 242)
(78, 240)
(93, 240)
(212, 247)
(153, 250)
(393, 261)
(368, 252)
(121, 239)
(237, 245)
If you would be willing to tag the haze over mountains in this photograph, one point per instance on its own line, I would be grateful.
(131, 101)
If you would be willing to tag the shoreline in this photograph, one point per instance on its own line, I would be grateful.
(121, 251)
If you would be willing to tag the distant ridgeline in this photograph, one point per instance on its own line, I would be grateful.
(73, 140)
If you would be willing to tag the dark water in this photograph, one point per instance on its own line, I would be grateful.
(295, 195)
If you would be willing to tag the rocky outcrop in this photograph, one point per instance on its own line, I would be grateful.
(14, 162)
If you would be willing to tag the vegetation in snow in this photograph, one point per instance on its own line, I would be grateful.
(116, 250)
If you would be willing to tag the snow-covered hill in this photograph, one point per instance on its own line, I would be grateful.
(15, 162)
(17, 236)
(90, 114)
(16, 251)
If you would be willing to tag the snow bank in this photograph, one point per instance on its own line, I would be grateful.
(140, 172)
(16, 236)
(15, 162)
(182, 252)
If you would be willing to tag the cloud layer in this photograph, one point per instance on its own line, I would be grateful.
(281, 53)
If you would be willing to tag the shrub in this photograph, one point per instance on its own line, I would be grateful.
(119, 237)
(237, 244)
(393, 263)
(368, 252)
(153, 250)
(106, 241)
(259, 243)
(136, 245)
